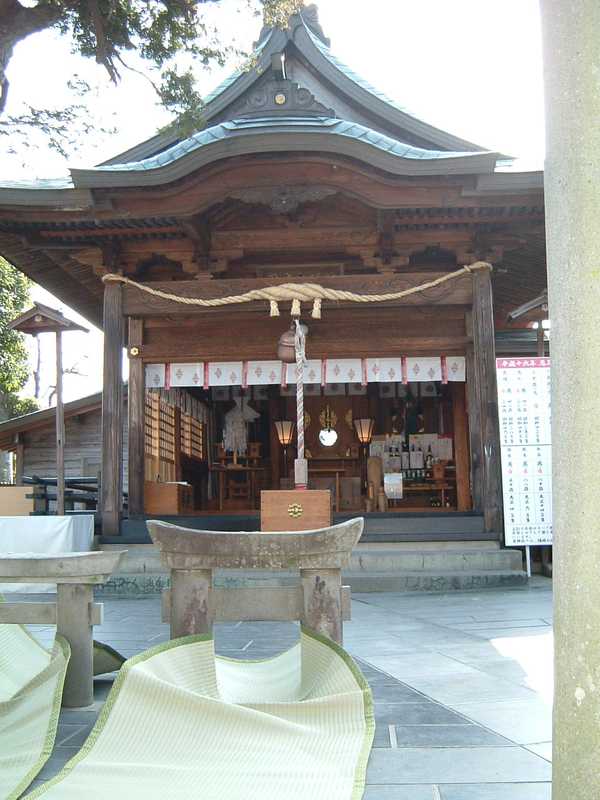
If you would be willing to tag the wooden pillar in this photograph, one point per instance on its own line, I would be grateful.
(135, 414)
(60, 429)
(19, 459)
(485, 379)
(475, 442)
(112, 412)
(572, 197)
(461, 446)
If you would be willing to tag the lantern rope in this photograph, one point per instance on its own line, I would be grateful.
(298, 293)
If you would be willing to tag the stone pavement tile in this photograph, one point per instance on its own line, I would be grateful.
(500, 623)
(448, 736)
(382, 736)
(422, 665)
(80, 716)
(71, 735)
(455, 689)
(456, 765)
(500, 633)
(426, 713)
(497, 791)
(521, 722)
(543, 749)
(399, 793)
(390, 693)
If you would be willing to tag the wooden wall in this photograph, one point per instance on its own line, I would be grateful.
(344, 333)
(82, 448)
(83, 442)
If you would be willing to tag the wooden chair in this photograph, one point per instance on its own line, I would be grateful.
(319, 600)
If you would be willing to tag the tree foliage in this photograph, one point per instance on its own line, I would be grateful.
(14, 371)
(168, 36)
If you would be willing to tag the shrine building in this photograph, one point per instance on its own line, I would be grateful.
(303, 174)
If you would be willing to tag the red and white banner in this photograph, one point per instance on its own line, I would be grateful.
(357, 371)
(424, 368)
(186, 374)
(264, 373)
(225, 373)
(384, 370)
(155, 376)
(312, 372)
(343, 370)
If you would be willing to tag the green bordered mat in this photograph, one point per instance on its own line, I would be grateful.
(31, 683)
(182, 723)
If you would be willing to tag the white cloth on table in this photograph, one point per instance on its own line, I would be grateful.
(49, 535)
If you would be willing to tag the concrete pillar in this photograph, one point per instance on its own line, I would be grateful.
(323, 601)
(73, 621)
(191, 607)
(571, 34)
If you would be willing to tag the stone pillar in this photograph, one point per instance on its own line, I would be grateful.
(323, 601)
(73, 621)
(112, 412)
(191, 607)
(571, 38)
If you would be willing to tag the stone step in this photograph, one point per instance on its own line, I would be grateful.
(142, 585)
(145, 559)
(434, 581)
(373, 568)
(392, 560)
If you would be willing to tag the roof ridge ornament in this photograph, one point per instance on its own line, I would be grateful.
(281, 97)
(308, 16)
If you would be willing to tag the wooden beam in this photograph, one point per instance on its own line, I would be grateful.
(19, 459)
(137, 302)
(461, 447)
(60, 430)
(485, 373)
(111, 500)
(135, 412)
(475, 441)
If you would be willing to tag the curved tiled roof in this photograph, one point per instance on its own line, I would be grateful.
(314, 49)
(277, 125)
(280, 134)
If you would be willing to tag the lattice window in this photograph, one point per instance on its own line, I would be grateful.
(152, 424)
(192, 437)
(166, 445)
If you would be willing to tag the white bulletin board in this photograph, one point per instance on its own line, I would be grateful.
(526, 449)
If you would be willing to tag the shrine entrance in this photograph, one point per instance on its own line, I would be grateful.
(212, 448)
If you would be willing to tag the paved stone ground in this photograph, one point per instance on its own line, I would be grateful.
(462, 685)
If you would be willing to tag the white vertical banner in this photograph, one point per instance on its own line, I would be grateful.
(526, 449)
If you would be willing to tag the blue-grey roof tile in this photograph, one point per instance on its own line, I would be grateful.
(277, 125)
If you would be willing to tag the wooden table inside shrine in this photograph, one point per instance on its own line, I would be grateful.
(336, 471)
(429, 488)
(225, 471)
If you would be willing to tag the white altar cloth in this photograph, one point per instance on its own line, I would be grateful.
(48, 535)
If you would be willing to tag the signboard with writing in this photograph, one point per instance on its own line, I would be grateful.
(526, 449)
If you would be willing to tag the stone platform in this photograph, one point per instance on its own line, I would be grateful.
(376, 567)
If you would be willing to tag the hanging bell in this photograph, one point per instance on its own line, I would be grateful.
(286, 347)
